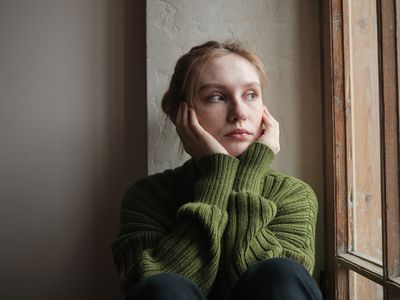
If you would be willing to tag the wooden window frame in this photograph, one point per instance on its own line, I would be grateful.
(338, 259)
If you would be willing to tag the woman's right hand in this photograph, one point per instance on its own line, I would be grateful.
(196, 141)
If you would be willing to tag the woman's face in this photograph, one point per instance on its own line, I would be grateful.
(229, 102)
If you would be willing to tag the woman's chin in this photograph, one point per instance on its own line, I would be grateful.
(237, 149)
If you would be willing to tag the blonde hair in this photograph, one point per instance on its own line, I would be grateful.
(185, 79)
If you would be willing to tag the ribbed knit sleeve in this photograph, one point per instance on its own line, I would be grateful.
(269, 215)
(294, 225)
(247, 236)
(278, 223)
(218, 173)
(254, 163)
(155, 237)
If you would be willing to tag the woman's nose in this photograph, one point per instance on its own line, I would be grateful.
(237, 111)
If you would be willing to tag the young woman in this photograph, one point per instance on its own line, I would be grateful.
(224, 225)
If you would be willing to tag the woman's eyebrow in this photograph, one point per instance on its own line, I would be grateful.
(252, 83)
(220, 86)
(212, 85)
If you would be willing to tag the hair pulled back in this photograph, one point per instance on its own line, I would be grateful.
(185, 79)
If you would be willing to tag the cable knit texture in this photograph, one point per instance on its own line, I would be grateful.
(210, 221)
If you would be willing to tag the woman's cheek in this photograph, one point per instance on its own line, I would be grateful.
(260, 126)
(206, 122)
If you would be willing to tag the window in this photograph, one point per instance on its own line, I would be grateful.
(361, 109)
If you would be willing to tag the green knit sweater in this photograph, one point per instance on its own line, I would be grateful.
(210, 221)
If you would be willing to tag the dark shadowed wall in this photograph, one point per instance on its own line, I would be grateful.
(73, 130)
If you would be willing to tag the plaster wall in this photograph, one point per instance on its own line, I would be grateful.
(285, 33)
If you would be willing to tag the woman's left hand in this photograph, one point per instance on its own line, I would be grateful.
(270, 134)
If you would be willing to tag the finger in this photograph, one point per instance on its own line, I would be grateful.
(194, 123)
(272, 121)
(186, 126)
(269, 114)
(184, 115)
(265, 121)
(193, 118)
(265, 125)
(178, 120)
(185, 118)
(178, 123)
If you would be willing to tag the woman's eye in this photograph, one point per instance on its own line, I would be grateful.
(250, 96)
(216, 98)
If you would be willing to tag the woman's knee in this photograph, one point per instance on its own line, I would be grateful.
(276, 269)
(282, 277)
(165, 286)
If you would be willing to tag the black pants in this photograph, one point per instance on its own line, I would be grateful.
(271, 279)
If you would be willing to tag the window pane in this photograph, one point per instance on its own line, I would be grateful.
(363, 130)
(361, 288)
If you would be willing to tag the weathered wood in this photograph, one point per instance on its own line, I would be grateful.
(333, 101)
(337, 141)
(390, 123)
(361, 68)
(327, 95)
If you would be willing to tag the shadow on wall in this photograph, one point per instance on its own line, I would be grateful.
(310, 121)
(126, 143)
(73, 137)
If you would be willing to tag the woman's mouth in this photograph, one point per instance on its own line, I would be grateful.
(240, 134)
